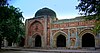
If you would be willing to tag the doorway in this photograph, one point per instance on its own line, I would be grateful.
(88, 40)
(61, 41)
(38, 41)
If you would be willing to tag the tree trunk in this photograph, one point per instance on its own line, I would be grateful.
(0, 42)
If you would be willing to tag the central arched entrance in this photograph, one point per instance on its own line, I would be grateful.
(88, 40)
(61, 41)
(38, 41)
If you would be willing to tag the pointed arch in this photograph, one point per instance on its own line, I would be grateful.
(88, 40)
(38, 41)
(59, 39)
(59, 32)
(89, 33)
(84, 31)
(36, 21)
(35, 27)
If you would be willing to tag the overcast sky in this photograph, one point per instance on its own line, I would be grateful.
(63, 8)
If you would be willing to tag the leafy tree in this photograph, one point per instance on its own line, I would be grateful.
(11, 25)
(3, 2)
(91, 9)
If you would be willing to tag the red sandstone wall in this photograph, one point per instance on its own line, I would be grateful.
(74, 24)
(36, 26)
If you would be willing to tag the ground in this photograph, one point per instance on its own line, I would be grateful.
(24, 52)
(31, 50)
(48, 52)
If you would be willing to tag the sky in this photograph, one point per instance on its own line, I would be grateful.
(65, 9)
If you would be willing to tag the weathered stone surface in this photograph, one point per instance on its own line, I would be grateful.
(49, 29)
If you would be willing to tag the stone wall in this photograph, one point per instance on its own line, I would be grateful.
(49, 31)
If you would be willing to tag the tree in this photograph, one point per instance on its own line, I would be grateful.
(3, 2)
(91, 9)
(11, 25)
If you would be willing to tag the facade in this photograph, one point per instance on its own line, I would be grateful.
(46, 31)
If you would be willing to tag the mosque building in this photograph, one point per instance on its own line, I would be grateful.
(44, 30)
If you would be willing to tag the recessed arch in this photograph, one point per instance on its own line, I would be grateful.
(36, 24)
(36, 21)
(88, 40)
(58, 33)
(61, 41)
(38, 41)
(36, 27)
(57, 36)
(85, 32)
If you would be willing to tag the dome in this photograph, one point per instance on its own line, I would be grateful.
(45, 11)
